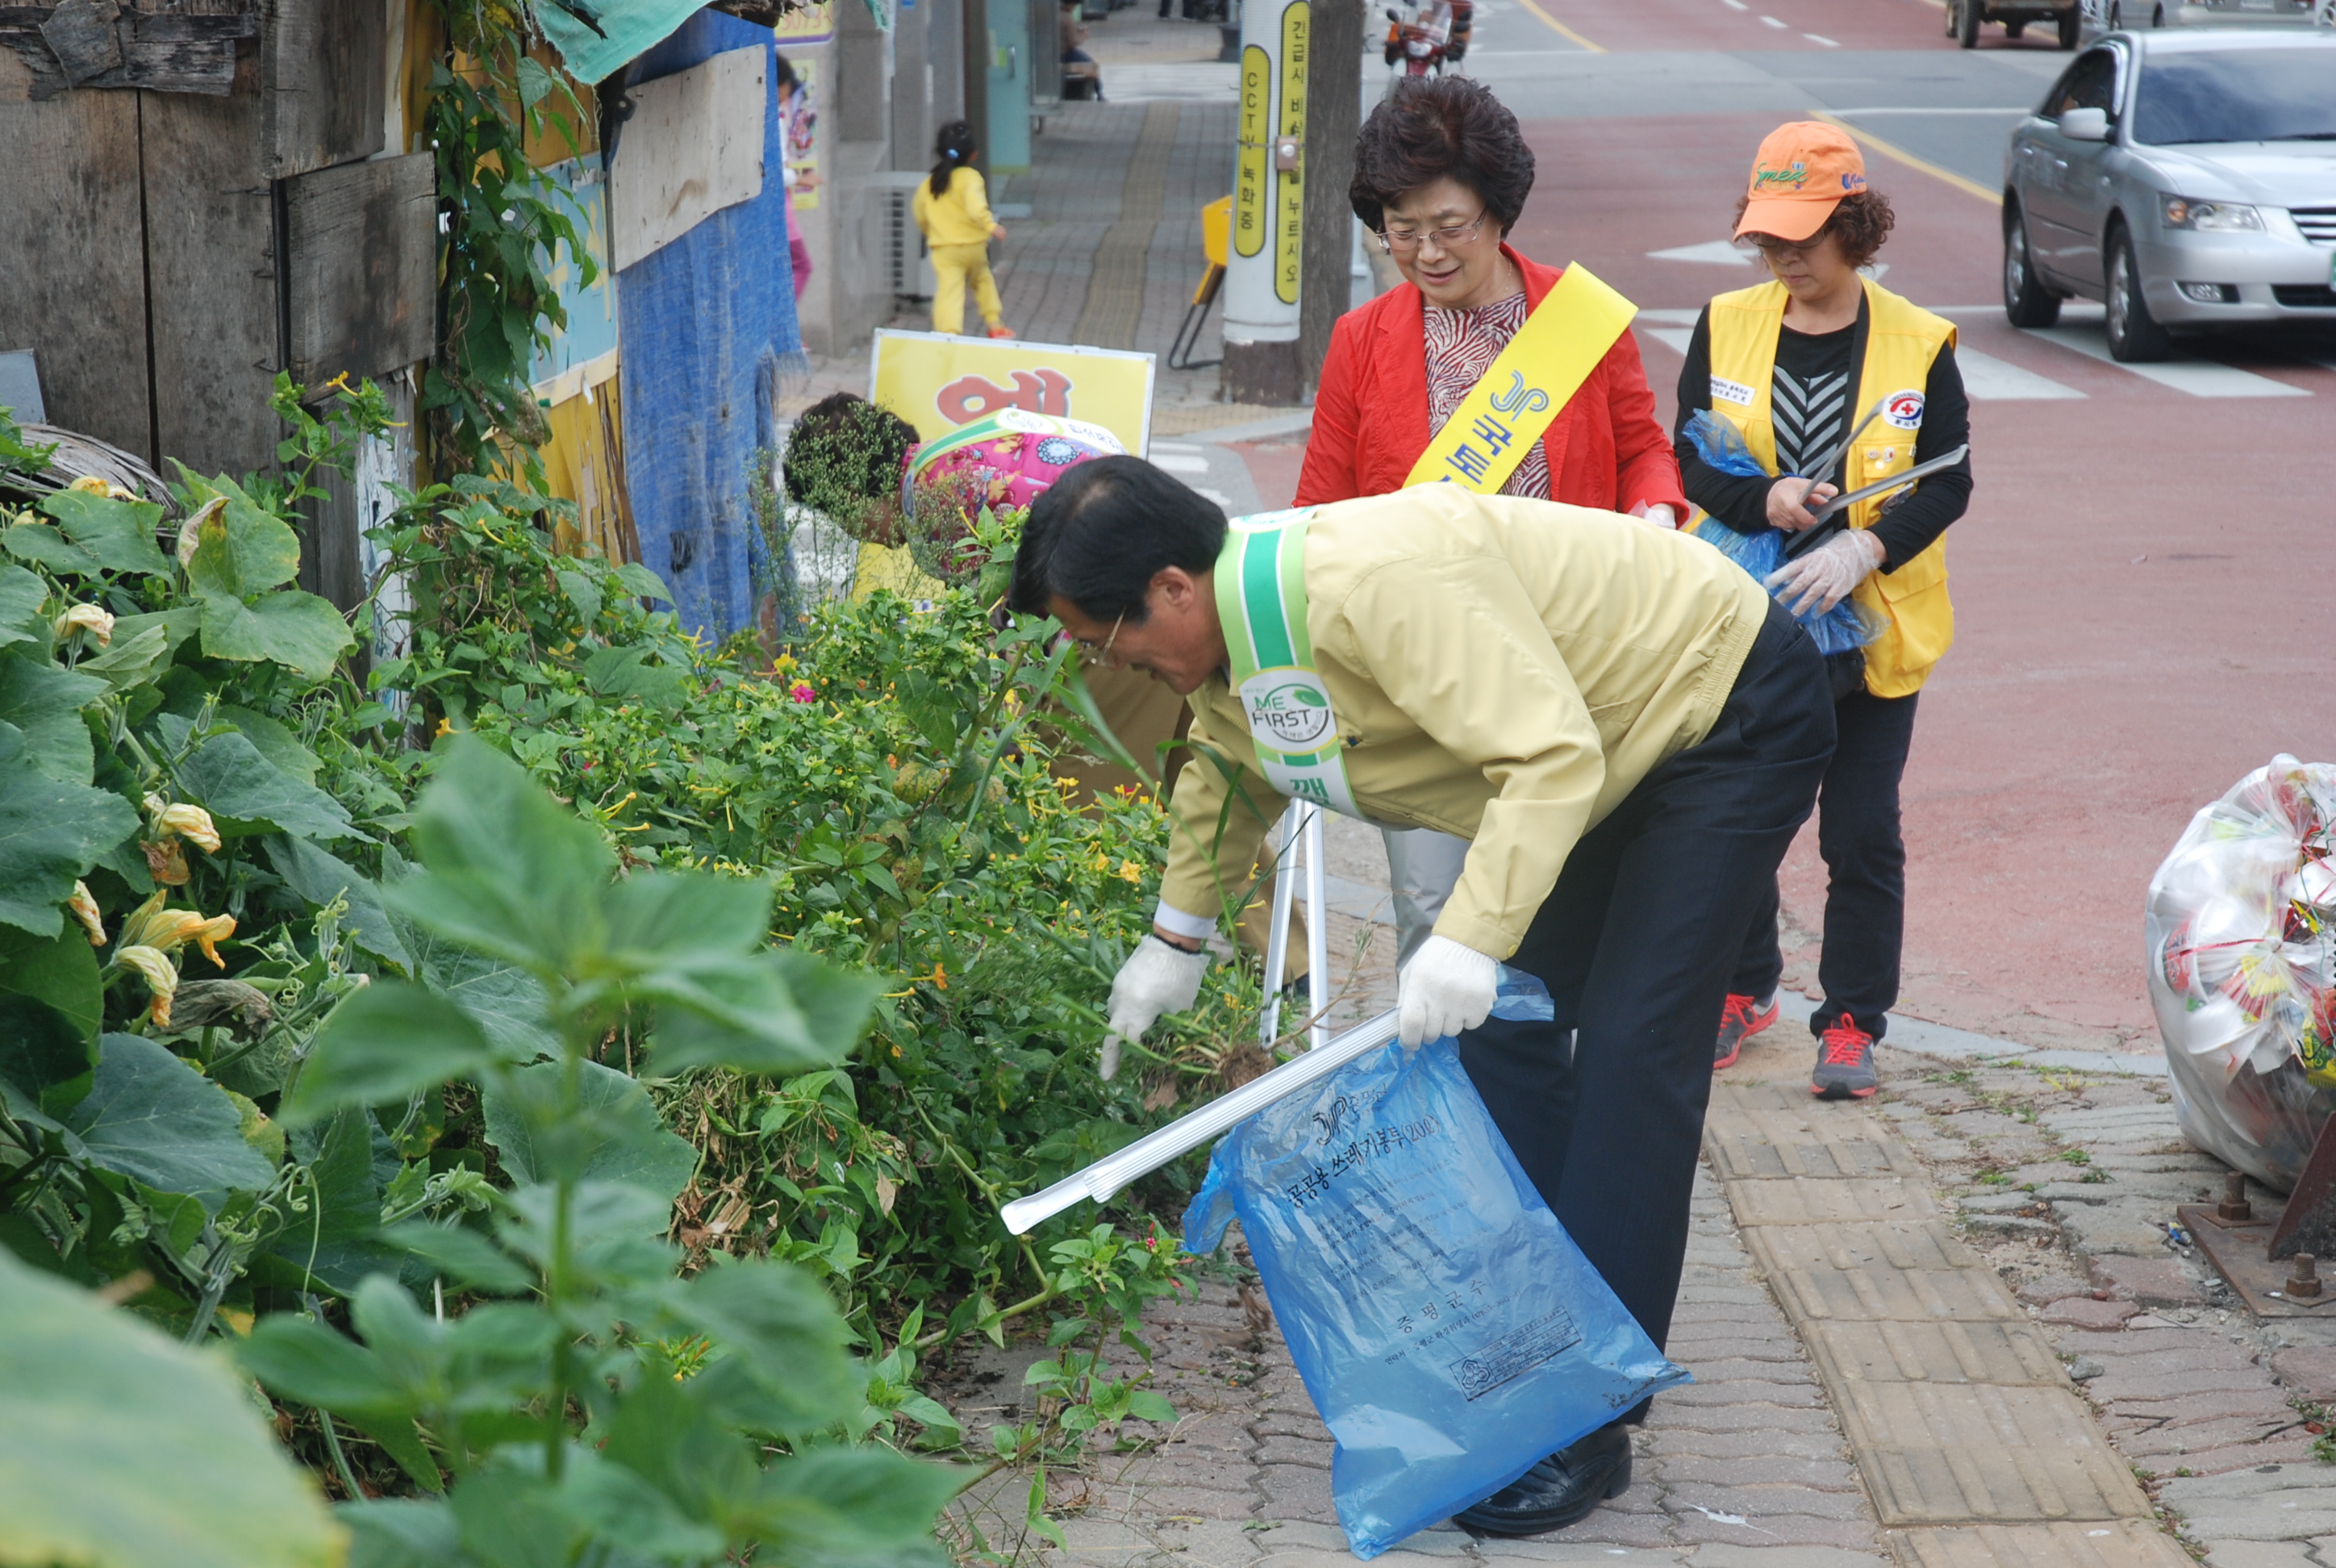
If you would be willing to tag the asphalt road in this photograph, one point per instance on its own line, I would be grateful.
(2143, 583)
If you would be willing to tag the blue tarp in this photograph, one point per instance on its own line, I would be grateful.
(709, 323)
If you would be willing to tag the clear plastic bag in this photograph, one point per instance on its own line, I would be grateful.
(1448, 1328)
(2241, 933)
(1847, 625)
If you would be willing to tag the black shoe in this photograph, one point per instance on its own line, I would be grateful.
(1560, 1490)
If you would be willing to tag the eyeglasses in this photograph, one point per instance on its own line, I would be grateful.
(1407, 241)
(1101, 651)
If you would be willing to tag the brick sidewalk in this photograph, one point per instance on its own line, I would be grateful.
(1942, 1329)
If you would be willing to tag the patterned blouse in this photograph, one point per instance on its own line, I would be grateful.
(1460, 346)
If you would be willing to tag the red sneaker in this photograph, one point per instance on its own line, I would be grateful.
(1844, 1063)
(1739, 1020)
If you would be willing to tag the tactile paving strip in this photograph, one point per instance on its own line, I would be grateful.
(2007, 1354)
(2115, 1543)
(1941, 1453)
(1957, 1410)
(1767, 1130)
(1913, 1272)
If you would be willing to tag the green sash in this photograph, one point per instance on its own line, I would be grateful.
(1261, 586)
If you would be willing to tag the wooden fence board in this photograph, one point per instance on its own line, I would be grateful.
(324, 83)
(362, 264)
(70, 252)
(211, 225)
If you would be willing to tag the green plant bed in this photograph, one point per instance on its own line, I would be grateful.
(811, 971)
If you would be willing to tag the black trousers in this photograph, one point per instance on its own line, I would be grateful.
(1865, 865)
(1636, 944)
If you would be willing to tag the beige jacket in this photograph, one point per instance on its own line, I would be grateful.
(1504, 669)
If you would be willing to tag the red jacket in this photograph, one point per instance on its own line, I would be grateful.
(1605, 448)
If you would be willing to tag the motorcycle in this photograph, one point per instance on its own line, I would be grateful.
(1434, 35)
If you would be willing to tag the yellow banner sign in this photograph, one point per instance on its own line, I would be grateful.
(937, 382)
(1289, 197)
(1533, 378)
(1250, 169)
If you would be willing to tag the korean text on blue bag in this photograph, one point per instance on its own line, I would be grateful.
(1448, 1328)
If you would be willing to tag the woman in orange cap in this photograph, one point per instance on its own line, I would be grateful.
(1797, 364)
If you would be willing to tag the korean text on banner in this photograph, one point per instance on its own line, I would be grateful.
(937, 382)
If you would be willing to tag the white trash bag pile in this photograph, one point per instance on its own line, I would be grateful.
(2241, 929)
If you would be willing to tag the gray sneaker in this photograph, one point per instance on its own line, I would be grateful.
(1844, 1063)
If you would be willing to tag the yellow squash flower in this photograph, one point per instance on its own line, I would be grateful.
(190, 821)
(84, 907)
(96, 484)
(88, 617)
(161, 979)
(166, 931)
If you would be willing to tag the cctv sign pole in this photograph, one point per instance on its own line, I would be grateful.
(1269, 179)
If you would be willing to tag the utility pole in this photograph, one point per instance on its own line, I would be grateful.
(1264, 259)
(1334, 101)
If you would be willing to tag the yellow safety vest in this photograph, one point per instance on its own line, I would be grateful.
(1902, 340)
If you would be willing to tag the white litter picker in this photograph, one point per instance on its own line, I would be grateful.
(1301, 827)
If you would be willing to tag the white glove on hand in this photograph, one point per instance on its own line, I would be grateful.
(1445, 989)
(1156, 979)
(1824, 576)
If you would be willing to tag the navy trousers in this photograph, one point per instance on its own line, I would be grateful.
(1865, 866)
(1637, 943)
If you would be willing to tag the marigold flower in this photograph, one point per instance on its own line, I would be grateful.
(190, 533)
(190, 821)
(84, 907)
(161, 975)
(88, 617)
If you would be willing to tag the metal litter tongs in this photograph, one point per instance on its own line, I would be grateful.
(1113, 1173)
(1519, 997)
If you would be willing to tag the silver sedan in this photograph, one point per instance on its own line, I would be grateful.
(2185, 179)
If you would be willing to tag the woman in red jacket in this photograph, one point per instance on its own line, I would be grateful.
(1441, 172)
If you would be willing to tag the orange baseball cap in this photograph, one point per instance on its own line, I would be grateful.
(1799, 176)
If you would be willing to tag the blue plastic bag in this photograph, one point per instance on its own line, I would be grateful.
(1720, 445)
(1447, 1327)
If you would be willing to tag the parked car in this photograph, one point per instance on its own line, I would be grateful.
(2116, 14)
(2185, 179)
(1964, 17)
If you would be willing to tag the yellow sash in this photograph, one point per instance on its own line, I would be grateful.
(1537, 374)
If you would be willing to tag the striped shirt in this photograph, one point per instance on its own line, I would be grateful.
(1460, 346)
(1808, 396)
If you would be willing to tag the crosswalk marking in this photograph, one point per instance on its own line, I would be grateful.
(1176, 463)
(1676, 337)
(1718, 252)
(2199, 378)
(1820, 40)
(1988, 379)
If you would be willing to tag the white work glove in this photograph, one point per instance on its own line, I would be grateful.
(1658, 512)
(1156, 979)
(1445, 989)
(1824, 576)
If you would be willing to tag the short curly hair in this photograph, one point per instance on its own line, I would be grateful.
(1862, 222)
(1429, 129)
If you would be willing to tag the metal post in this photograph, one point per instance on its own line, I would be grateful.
(1277, 940)
(1318, 936)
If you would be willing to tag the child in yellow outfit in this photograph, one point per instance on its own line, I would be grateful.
(952, 207)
